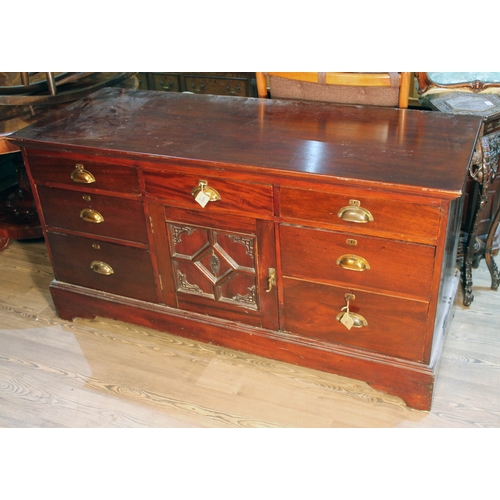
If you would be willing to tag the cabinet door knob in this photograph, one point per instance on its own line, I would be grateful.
(353, 262)
(271, 280)
(82, 176)
(354, 212)
(91, 215)
(100, 267)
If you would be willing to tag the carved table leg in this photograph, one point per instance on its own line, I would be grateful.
(478, 174)
(490, 262)
(483, 170)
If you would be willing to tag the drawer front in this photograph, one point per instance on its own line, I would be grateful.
(94, 214)
(357, 260)
(143, 81)
(216, 86)
(396, 327)
(166, 82)
(237, 198)
(84, 174)
(103, 266)
(361, 214)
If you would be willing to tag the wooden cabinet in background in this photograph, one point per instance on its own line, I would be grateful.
(233, 84)
(310, 233)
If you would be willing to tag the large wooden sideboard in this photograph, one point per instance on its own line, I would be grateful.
(311, 233)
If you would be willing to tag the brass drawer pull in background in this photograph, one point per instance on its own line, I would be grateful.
(354, 212)
(353, 262)
(271, 281)
(350, 319)
(203, 193)
(100, 267)
(91, 215)
(82, 176)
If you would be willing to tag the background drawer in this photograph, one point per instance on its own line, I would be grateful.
(166, 82)
(133, 274)
(123, 218)
(237, 198)
(52, 171)
(397, 267)
(405, 221)
(396, 327)
(217, 86)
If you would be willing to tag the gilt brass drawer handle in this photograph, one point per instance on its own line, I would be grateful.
(82, 176)
(354, 212)
(350, 319)
(91, 215)
(203, 193)
(353, 262)
(100, 267)
(271, 280)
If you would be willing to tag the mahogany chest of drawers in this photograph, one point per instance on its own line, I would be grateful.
(310, 233)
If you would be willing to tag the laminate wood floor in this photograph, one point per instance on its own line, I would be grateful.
(103, 373)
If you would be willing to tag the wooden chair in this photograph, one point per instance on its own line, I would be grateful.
(381, 89)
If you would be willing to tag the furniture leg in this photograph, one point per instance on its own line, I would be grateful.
(490, 262)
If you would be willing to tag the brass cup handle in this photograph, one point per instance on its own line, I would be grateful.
(100, 267)
(82, 176)
(354, 212)
(91, 215)
(204, 188)
(353, 262)
(358, 320)
(348, 318)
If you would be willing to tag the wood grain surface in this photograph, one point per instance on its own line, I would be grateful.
(103, 373)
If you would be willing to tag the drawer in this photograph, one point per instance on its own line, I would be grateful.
(363, 214)
(216, 86)
(357, 260)
(239, 198)
(143, 81)
(84, 174)
(102, 215)
(396, 327)
(82, 261)
(166, 82)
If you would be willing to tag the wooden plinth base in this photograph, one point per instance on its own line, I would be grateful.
(408, 380)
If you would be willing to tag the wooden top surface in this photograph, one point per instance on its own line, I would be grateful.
(418, 150)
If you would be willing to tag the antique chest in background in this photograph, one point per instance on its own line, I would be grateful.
(310, 233)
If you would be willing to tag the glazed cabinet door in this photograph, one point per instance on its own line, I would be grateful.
(223, 266)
